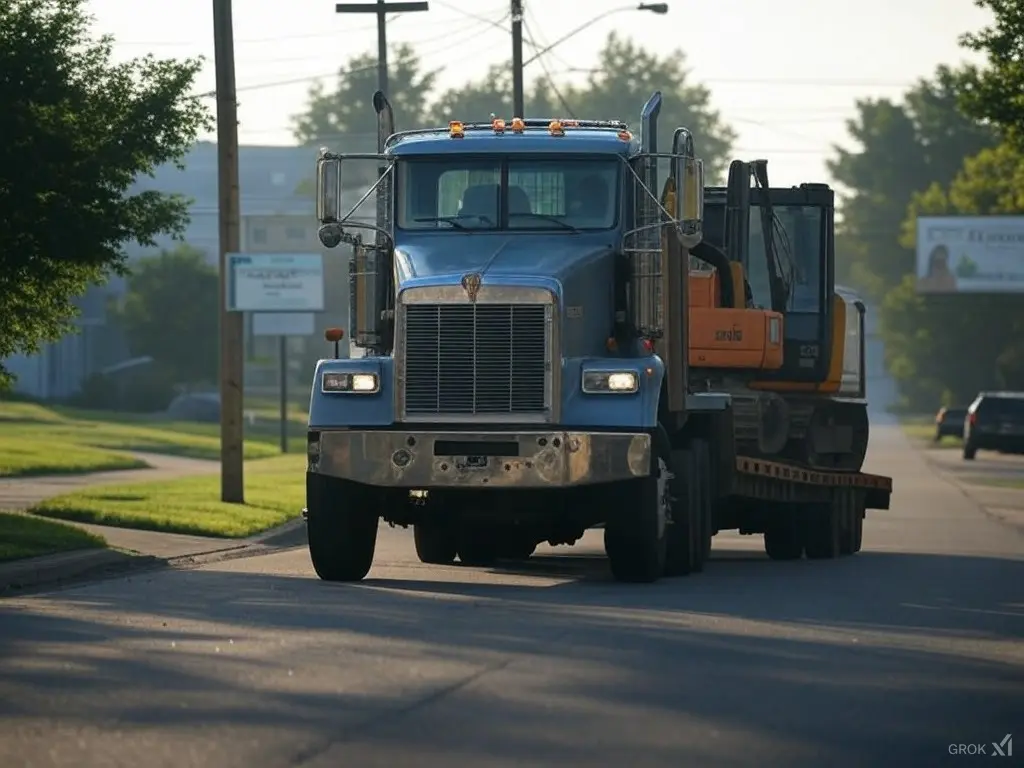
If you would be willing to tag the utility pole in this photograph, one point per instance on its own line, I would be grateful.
(382, 9)
(518, 107)
(232, 339)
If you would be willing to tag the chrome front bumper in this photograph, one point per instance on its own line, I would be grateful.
(426, 460)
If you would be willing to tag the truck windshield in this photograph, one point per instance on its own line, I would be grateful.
(798, 232)
(556, 194)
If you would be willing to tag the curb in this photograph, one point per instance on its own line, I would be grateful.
(60, 569)
(51, 570)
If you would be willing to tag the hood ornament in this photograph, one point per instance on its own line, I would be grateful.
(471, 285)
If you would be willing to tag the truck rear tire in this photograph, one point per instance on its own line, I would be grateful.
(822, 531)
(635, 533)
(707, 511)
(341, 527)
(478, 546)
(436, 543)
(683, 533)
(516, 546)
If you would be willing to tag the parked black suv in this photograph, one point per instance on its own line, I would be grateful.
(995, 422)
(949, 422)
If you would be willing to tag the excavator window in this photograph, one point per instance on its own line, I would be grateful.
(757, 268)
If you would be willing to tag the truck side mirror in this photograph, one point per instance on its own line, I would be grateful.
(328, 188)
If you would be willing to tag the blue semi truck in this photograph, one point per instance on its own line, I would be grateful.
(521, 302)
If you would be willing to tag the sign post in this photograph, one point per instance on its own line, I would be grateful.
(284, 290)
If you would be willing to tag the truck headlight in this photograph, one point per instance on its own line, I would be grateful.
(357, 383)
(600, 382)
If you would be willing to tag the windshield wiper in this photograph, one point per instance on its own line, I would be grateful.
(455, 220)
(545, 217)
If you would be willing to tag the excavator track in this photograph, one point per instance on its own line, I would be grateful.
(819, 433)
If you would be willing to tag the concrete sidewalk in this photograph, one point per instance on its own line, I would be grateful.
(128, 547)
(17, 493)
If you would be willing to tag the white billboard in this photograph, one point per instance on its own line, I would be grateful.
(275, 282)
(970, 254)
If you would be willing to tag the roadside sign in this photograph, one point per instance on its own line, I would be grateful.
(275, 282)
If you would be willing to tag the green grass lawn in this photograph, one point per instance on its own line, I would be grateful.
(25, 536)
(1013, 483)
(275, 492)
(38, 440)
(922, 428)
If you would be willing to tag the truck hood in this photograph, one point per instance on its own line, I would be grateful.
(555, 259)
(578, 268)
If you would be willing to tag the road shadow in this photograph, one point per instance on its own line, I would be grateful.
(748, 656)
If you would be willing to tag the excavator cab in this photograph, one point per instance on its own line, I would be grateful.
(782, 239)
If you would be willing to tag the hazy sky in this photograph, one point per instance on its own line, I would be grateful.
(787, 92)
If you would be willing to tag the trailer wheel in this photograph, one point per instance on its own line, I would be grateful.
(782, 541)
(635, 534)
(682, 549)
(341, 527)
(845, 503)
(858, 526)
(436, 543)
(822, 529)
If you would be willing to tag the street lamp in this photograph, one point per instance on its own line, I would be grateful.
(658, 8)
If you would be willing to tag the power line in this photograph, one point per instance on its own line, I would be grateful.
(315, 35)
(547, 72)
(446, 37)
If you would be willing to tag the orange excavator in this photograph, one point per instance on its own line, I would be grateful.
(769, 327)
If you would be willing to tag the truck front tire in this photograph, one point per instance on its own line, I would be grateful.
(635, 534)
(341, 527)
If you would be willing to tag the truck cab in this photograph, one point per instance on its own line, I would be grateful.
(512, 301)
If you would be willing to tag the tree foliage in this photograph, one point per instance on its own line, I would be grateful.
(77, 129)
(939, 153)
(995, 93)
(626, 76)
(904, 147)
(170, 313)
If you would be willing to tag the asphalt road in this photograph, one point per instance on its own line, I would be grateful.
(885, 658)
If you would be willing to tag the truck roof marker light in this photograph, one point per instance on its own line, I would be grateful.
(518, 126)
(648, 345)
(555, 128)
(498, 125)
(456, 129)
(625, 135)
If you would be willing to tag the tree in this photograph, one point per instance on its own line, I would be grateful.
(903, 148)
(170, 313)
(950, 347)
(476, 101)
(77, 130)
(995, 94)
(343, 117)
(626, 76)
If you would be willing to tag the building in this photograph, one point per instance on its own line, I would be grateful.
(269, 185)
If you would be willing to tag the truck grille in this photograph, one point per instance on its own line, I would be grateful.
(475, 358)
